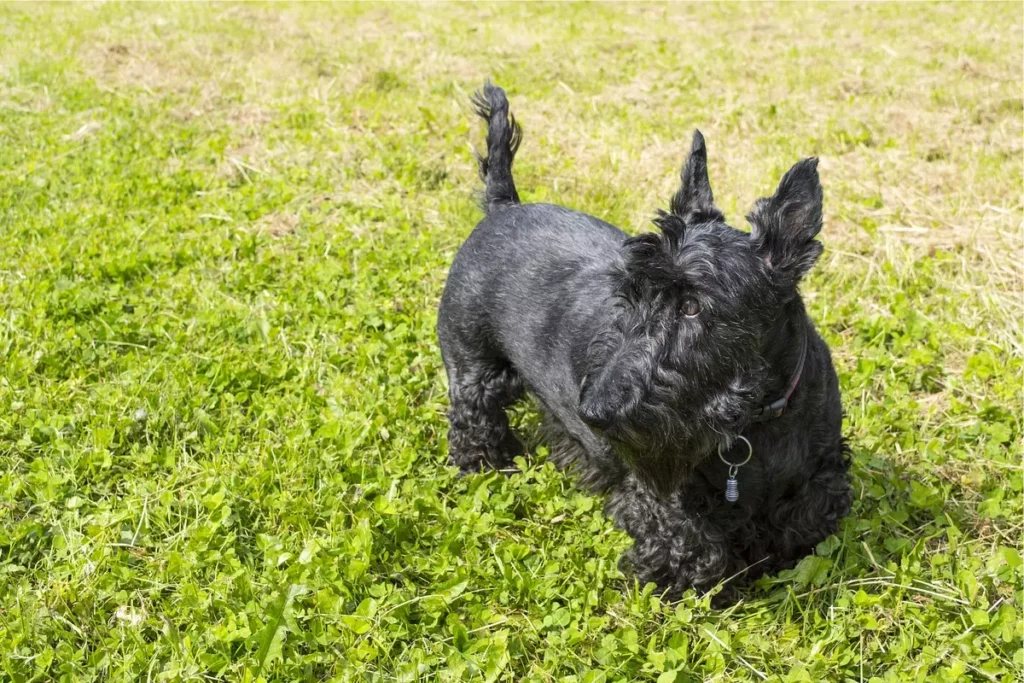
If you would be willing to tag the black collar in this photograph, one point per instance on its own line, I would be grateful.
(776, 408)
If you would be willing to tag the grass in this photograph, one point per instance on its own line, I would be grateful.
(226, 228)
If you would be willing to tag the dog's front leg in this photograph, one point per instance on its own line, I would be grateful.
(796, 523)
(673, 547)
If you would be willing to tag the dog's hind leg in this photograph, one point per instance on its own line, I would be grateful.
(479, 434)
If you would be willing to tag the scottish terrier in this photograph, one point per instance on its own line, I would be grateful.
(677, 371)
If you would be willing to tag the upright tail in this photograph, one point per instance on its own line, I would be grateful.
(503, 138)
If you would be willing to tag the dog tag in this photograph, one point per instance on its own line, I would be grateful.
(732, 489)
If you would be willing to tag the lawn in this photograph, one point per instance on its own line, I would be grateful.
(225, 232)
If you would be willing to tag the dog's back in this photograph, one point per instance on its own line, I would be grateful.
(520, 259)
(518, 264)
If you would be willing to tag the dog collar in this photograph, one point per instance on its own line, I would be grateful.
(776, 408)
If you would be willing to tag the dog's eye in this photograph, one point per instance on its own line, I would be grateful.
(691, 307)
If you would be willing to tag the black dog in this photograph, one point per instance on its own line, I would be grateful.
(678, 370)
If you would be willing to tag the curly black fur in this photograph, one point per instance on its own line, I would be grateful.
(647, 354)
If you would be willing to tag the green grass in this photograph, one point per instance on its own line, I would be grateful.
(225, 231)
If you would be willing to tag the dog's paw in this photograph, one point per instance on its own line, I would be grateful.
(500, 457)
(503, 457)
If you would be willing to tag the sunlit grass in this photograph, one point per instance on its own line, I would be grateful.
(226, 228)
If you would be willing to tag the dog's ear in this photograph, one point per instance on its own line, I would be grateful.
(785, 224)
(694, 202)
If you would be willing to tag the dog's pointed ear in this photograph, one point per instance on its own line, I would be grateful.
(784, 225)
(695, 202)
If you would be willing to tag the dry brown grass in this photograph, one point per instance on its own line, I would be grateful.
(919, 133)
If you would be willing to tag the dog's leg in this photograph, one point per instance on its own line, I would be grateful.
(479, 433)
(673, 548)
(800, 521)
(575, 447)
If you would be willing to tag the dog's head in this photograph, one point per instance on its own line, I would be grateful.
(701, 306)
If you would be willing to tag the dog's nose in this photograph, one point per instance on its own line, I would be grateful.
(603, 410)
(609, 400)
(597, 414)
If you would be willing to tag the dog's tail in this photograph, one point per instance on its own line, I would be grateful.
(503, 138)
